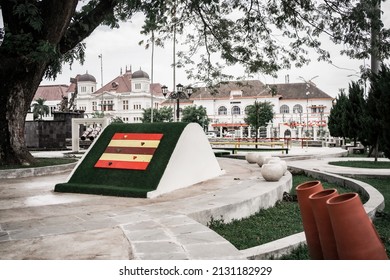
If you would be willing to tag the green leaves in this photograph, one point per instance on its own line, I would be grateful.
(196, 114)
(30, 14)
(259, 114)
(40, 109)
(164, 114)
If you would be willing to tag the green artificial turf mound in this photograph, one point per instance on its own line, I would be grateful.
(123, 182)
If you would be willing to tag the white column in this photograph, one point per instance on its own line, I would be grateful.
(75, 135)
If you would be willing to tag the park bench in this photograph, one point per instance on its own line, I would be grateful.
(234, 150)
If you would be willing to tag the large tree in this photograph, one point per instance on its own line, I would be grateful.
(372, 124)
(354, 112)
(259, 114)
(378, 105)
(42, 34)
(196, 114)
(336, 118)
(163, 114)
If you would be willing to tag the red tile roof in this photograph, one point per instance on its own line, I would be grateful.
(51, 92)
(156, 90)
(250, 88)
(254, 88)
(299, 90)
(120, 84)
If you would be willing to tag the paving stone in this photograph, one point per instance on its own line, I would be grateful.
(152, 235)
(173, 226)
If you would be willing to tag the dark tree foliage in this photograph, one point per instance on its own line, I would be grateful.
(354, 112)
(379, 104)
(263, 36)
(372, 126)
(196, 114)
(336, 116)
(259, 114)
(164, 114)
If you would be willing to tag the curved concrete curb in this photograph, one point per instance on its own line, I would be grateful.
(285, 245)
(38, 171)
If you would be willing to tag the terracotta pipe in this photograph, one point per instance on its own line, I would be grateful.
(356, 236)
(304, 190)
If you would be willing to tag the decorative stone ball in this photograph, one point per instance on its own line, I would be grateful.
(266, 160)
(272, 172)
(261, 158)
(251, 157)
(282, 163)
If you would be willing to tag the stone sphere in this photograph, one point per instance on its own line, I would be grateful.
(267, 159)
(272, 172)
(281, 162)
(251, 157)
(261, 158)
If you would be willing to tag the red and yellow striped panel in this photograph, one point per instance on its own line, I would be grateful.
(129, 151)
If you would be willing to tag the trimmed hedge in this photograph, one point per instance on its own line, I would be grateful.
(121, 182)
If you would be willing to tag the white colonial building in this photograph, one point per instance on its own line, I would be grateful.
(125, 96)
(300, 109)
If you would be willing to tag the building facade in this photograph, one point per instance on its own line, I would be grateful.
(53, 96)
(124, 97)
(300, 109)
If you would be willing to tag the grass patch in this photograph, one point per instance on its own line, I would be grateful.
(284, 219)
(267, 225)
(362, 164)
(41, 162)
(382, 219)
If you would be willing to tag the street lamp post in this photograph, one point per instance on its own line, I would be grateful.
(177, 95)
(101, 69)
(307, 113)
(308, 83)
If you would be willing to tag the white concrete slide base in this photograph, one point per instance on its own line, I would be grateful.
(191, 162)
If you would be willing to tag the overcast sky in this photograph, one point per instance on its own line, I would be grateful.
(120, 49)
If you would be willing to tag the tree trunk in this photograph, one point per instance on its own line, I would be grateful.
(27, 53)
(370, 151)
(17, 89)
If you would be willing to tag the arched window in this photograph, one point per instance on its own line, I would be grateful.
(297, 109)
(222, 110)
(284, 109)
(236, 110)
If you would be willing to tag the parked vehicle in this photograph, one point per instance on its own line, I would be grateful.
(211, 134)
(230, 134)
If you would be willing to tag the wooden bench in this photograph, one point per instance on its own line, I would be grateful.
(330, 144)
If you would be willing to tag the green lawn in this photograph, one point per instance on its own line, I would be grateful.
(362, 164)
(41, 162)
(284, 219)
(267, 225)
(382, 221)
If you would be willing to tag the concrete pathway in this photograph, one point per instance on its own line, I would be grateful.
(37, 223)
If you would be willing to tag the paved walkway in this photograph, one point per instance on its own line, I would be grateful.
(37, 223)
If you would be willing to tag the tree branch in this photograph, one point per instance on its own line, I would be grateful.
(85, 23)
